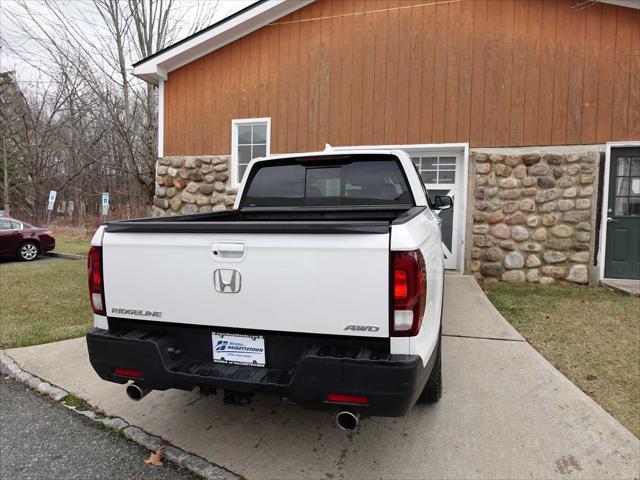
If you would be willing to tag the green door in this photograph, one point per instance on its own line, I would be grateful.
(622, 257)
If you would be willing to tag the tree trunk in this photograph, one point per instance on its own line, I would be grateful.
(5, 184)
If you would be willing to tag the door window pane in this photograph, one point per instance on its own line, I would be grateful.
(621, 206)
(429, 163)
(429, 176)
(627, 186)
(447, 176)
(623, 166)
(623, 186)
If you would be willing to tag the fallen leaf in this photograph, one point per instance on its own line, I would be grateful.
(156, 457)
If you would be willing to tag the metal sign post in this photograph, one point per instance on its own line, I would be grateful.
(52, 201)
(105, 205)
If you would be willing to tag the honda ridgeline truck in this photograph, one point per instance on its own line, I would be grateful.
(324, 286)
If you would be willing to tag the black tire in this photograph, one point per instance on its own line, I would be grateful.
(433, 388)
(28, 251)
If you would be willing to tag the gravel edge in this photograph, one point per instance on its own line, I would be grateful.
(193, 463)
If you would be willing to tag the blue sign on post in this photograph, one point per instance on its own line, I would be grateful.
(105, 204)
(50, 204)
(52, 199)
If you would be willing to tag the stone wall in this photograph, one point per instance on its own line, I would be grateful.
(533, 216)
(193, 185)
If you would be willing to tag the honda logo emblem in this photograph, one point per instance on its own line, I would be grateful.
(227, 281)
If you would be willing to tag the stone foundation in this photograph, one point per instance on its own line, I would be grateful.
(533, 216)
(187, 185)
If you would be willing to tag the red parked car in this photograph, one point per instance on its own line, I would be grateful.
(19, 239)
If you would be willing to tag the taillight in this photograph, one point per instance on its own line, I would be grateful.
(96, 285)
(409, 293)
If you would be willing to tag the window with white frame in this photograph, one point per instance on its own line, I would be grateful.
(436, 169)
(250, 139)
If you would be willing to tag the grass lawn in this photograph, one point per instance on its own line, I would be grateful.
(43, 301)
(592, 335)
(72, 244)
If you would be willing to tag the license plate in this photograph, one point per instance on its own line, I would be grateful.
(238, 349)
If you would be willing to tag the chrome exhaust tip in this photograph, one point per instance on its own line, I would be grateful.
(347, 420)
(136, 393)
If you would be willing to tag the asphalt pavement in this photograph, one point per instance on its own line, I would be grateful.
(42, 439)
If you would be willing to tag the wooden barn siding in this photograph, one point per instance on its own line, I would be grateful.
(490, 72)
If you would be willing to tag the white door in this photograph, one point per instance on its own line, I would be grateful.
(442, 174)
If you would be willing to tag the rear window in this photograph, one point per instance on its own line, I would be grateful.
(328, 181)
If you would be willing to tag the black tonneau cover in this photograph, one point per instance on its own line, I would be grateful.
(325, 221)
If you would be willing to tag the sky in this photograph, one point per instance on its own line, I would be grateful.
(86, 19)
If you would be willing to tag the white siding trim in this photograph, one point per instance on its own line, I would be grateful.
(463, 213)
(161, 118)
(602, 249)
(235, 183)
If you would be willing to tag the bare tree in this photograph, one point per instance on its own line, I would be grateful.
(103, 117)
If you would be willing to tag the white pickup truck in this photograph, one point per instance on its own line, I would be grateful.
(324, 285)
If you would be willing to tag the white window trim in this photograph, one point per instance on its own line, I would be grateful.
(602, 250)
(160, 119)
(235, 183)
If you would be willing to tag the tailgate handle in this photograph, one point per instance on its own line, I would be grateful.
(228, 250)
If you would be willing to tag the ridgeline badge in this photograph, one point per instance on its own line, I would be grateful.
(139, 313)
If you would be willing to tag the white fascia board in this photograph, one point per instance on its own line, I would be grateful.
(418, 147)
(623, 3)
(157, 68)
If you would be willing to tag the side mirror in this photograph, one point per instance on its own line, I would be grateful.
(443, 202)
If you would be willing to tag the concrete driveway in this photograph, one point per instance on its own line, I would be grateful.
(505, 413)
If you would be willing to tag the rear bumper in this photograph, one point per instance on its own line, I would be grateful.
(392, 383)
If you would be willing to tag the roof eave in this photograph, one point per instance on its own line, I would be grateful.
(155, 68)
(623, 3)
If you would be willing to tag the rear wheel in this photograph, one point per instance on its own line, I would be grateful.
(433, 388)
(28, 251)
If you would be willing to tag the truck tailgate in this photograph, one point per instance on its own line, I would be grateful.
(331, 284)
